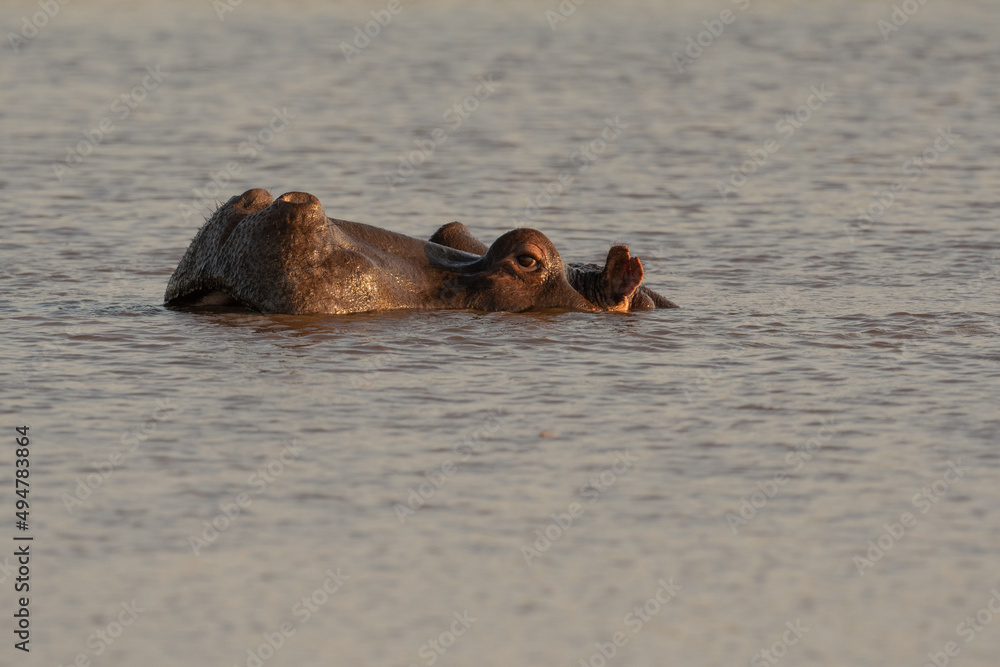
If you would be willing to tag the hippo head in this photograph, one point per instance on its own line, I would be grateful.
(521, 271)
(285, 255)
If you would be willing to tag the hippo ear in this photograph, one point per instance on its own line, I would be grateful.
(622, 273)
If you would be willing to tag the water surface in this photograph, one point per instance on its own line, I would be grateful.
(827, 374)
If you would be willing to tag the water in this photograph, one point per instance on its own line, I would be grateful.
(823, 373)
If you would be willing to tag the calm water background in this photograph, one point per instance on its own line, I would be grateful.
(870, 346)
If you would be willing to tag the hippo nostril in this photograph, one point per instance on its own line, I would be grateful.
(254, 200)
(299, 198)
(299, 205)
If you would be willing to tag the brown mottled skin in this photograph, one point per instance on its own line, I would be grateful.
(609, 287)
(285, 255)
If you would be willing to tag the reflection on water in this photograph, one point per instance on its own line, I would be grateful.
(810, 439)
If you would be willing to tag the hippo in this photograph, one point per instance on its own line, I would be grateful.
(608, 287)
(285, 255)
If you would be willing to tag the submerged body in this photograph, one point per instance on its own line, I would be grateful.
(285, 255)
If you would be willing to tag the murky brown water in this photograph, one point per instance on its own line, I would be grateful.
(802, 460)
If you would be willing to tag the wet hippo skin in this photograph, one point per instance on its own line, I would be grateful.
(608, 287)
(285, 255)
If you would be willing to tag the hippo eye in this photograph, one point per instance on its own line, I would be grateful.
(527, 261)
